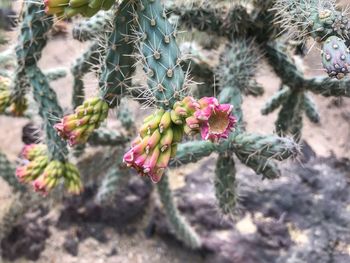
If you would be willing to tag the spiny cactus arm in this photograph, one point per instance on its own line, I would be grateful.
(118, 65)
(80, 67)
(105, 137)
(311, 109)
(160, 54)
(225, 183)
(182, 230)
(267, 168)
(295, 79)
(125, 116)
(31, 41)
(269, 147)
(7, 172)
(88, 29)
(213, 18)
(49, 111)
(55, 74)
(192, 151)
(328, 87)
(111, 182)
(290, 118)
(276, 100)
(316, 18)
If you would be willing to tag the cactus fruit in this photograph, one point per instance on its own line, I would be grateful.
(336, 57)
(70, 8)
(77, 127)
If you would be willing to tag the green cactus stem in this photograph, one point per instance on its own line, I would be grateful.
(111, 182)
(49, 110)
(105, 137)
(90, 28)
(225, 183)
(311, 109)
(31, 41)
(160, 54)
(118, 65)
(7, 172)
(289, 119)
(276, 100)
(182, 230)
(267, 168)
(82, 66)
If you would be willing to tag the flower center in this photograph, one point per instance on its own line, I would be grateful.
(218, 122)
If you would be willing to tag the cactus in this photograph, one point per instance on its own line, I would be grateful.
(336, 57)
(140, 33)
(70, 8)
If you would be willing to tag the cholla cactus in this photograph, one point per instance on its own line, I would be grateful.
(139, 33)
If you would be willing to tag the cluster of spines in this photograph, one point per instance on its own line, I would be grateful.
(88, 29)
(160, 54)
(119, 63)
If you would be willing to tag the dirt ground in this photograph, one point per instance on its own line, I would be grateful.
(330, 137)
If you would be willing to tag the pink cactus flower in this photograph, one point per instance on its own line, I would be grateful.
(215, 120)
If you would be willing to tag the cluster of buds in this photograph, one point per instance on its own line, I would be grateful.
(5, 93)
(45, 174)
(162, 131)
(206, 116)
(77, 127)
(17, 105)
(156, 144)
(70, 8)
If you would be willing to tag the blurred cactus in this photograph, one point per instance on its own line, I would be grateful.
(135, 34)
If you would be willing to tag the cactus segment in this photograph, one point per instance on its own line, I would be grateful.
(160, 54)
(182, 230)
(89, 28)
(82, 66)
(49, 110)
(225, 184)
(335, 57)
(311, 109)
(276, 100)
(118, 65)
(290, 117)
(7, 171)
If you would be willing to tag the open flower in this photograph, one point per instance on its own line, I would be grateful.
(215, 120)
(77, 127)
(205, 116)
